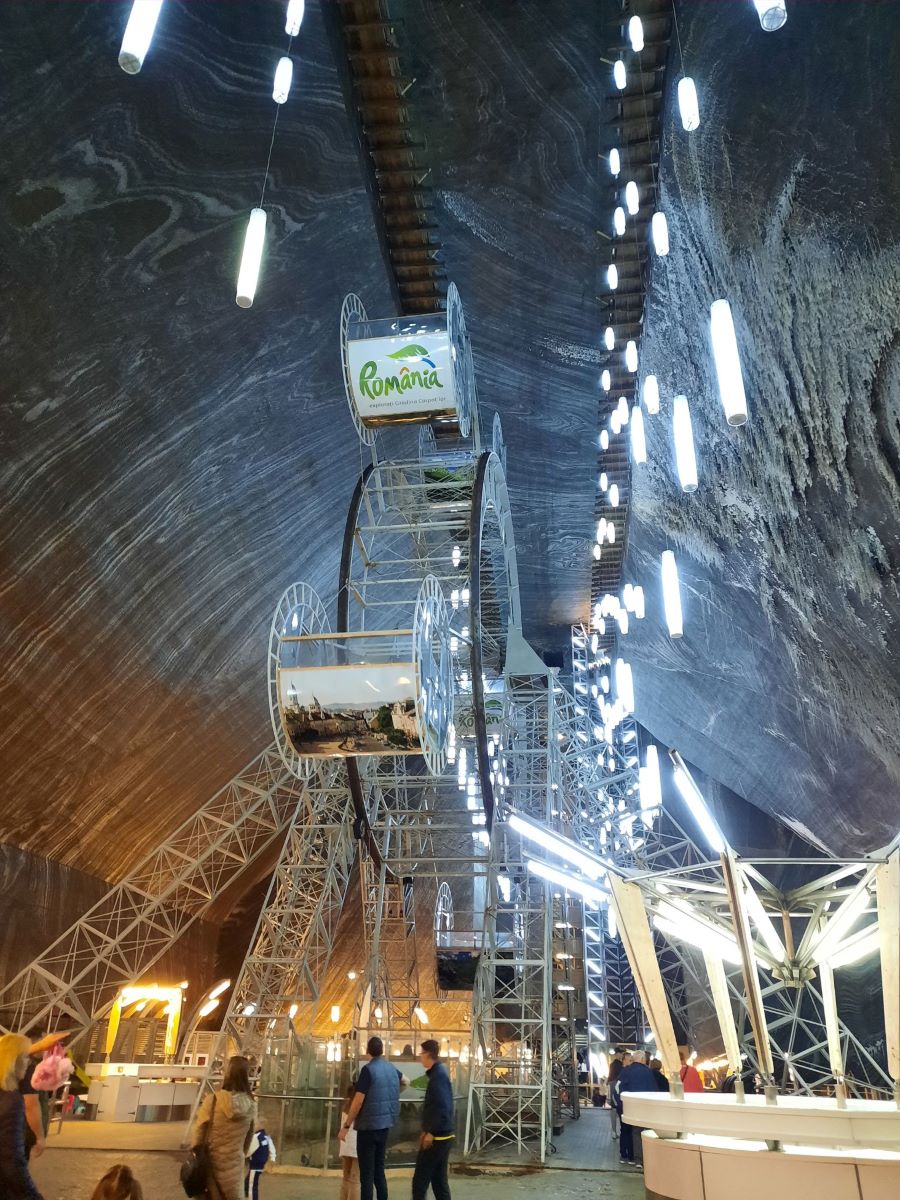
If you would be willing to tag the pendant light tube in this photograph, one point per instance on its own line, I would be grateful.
(619, 220)
(251, 258)
(615, 163)
(632, 197)
(609, 338)
(651, 395)
(636, 34)
(631, 355)
(683, 434)
(605, 380)
(619, 77)
(138, 34)
(728, 362)
(294, 17)
(638, 437)
(772, 14)
(671, 589)
(659, 231)
(688, 104)
(284, 74)
(612, 276)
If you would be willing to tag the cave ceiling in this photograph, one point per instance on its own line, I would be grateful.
(171, 462)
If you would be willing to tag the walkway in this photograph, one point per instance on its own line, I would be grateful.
(587, 1144)
(73, 1174)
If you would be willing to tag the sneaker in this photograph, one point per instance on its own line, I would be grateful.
(624, 1161)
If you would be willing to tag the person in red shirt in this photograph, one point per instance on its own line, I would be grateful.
(690, 1076)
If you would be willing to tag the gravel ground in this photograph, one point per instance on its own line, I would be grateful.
(72, 1175)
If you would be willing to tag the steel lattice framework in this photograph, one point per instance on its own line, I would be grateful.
(139, 919)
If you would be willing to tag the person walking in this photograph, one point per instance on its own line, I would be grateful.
(15, 1178)
(231, 1116)
(373, 1112)
(438, 1128)
(347, 1151)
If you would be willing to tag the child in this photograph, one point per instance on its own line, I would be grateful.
(118, 1184)
(347, 1152)
(260, 1152)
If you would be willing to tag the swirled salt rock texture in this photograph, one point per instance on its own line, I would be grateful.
(785, 685)
(170, 462)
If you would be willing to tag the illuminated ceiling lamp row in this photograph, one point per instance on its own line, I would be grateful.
(136, 41)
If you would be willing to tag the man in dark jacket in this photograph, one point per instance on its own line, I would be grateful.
(636, 1077)
(438, 1127)
(373, 1111)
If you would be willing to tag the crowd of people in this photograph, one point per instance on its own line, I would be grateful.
(639, 1072)
(229, 1147)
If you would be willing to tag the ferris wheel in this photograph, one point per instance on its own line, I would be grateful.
(428, 581)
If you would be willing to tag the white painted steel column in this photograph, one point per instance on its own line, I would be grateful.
(887, 890)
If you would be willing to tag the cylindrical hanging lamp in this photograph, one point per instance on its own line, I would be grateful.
(683, 434)
(659, 229)
(688, 104)
(772, 14)
(728, 362)
(251, 258)
(138, 34)
(294, 18)
(671, 594)
(651, 395)
(284, 74)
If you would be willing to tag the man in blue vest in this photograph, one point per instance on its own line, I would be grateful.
(373, 1111)
(437, 1127)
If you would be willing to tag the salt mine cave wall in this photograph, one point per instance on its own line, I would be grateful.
(785, 686)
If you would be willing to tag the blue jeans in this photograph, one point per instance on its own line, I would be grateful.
(370, 1148)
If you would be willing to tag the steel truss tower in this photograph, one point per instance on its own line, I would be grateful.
(138, 920)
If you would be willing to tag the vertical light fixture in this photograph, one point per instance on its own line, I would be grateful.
(638, 438)
(623, 411)
(619, 220)
(659, 230)
(612, 276)
(683, 434)
(615, 163)
(671, 594)
(604, 439)
(636, 33)
(688, 104)
(651, 394)
(294, 18)
(614, 495)
(772, 14)
(284, 74)
(632, 197)
(728, 362)
(631, 355)
(138, 34)
(251, 258)
(609, 337)
(605, 380)
(619, 74)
